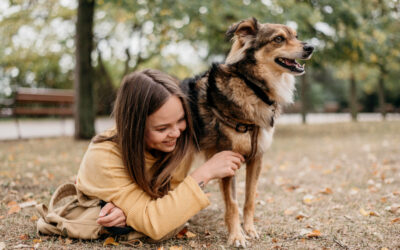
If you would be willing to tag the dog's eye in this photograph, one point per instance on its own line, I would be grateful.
(279, 39)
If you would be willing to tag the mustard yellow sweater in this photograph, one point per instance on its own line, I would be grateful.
(102, 174)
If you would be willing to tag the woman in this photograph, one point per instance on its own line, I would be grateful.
(140, 168)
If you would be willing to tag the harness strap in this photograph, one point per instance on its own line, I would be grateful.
(257, 87)
(241, 128)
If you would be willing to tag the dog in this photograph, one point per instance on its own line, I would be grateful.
(235, 105)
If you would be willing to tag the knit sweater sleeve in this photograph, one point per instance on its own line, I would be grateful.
(103, 175)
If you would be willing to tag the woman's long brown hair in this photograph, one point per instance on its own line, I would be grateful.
(141, 94)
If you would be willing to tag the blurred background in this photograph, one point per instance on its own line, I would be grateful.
(355, 67)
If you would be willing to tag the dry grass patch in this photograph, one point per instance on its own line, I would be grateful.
(330, 186)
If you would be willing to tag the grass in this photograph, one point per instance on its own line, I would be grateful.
(338, 180)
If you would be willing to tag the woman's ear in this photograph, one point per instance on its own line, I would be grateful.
(247, 27)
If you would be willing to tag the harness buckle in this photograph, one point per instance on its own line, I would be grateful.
(242, 128)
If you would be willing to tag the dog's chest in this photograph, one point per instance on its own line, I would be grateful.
(242, 142)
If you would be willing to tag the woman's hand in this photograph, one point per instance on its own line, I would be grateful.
(222, 164)
(111, 216)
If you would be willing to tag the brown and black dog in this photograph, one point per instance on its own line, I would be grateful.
(235, 105)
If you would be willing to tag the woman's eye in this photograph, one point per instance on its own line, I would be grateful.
(279, 39)
(161, 129)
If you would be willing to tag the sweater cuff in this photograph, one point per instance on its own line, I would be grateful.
(197, 191)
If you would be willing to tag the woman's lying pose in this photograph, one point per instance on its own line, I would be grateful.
(140, 168)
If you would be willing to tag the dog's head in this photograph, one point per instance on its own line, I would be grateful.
(271, 45)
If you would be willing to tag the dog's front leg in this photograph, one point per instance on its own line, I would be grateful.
(253, 169)
(232, 220)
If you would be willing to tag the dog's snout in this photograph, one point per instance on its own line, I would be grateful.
(308, 48)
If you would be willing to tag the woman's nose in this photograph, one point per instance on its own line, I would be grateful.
(175, 133)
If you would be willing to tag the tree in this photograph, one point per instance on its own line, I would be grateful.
(84, 110)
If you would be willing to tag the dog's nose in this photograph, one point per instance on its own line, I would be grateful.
(308, 48)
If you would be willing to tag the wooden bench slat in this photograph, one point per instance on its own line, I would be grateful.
(21, 97)
(43, 111)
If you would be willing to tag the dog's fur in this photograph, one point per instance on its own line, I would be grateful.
(224, 96)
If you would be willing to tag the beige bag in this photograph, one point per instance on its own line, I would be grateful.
(76, 219)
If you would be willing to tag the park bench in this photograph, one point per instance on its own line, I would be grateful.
(42, 102)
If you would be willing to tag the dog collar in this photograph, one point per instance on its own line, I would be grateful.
(257, 87)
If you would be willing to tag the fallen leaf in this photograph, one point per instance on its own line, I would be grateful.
(2, 217)
(37, 240)
(68, 241)
(27, 204)
(20, 246)
(308, 199)
(50, 176)
(133, 243)
(27, 196)
(363, 212)
(175, 248)
(12, 203)
(384, 248)
(394, 208)
(23, 237)
(182, 233)
(301, 216)
(14, 209)
(193, 244)
(304, 232)
(161, 248)
(291, 188)
(314, 233)
(110, 241)
(395, 220)
(353, 191)
(190, 234)
(373, 213)
(290, 210)
(274, 240)
(34, 218)
(326, 191)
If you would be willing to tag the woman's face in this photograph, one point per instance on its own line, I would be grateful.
(164, 126)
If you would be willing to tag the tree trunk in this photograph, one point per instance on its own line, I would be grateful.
(304, 98)
(353, 97)
(84, 109)
(381, 93)
(104, 90)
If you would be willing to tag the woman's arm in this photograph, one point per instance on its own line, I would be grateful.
(220, 165)
(103, 175)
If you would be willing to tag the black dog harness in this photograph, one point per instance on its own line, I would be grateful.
(259, 90)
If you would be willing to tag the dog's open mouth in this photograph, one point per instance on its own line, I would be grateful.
(290, 64)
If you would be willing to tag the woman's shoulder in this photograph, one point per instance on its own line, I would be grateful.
(103, 150)
(100, 141)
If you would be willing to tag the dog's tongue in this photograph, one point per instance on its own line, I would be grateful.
(290, 62)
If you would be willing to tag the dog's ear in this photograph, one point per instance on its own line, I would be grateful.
(247, 27)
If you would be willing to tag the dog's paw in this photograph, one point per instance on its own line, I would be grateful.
(251, 231)
(238, 240)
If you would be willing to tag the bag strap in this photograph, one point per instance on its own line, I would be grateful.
(61, 192)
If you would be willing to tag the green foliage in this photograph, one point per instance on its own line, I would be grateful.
(182, 37)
